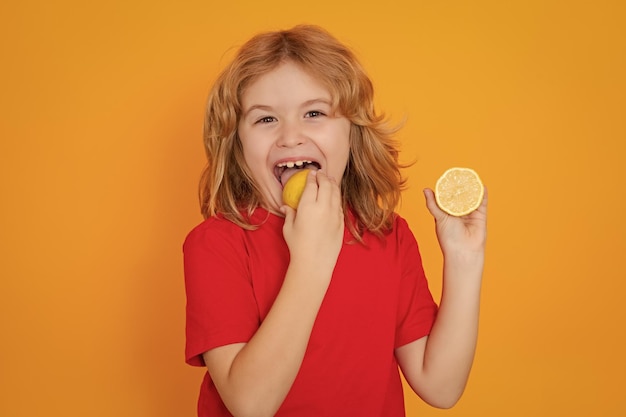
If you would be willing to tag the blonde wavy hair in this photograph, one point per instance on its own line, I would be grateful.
(372, 183)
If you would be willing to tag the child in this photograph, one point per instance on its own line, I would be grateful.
(312, 312)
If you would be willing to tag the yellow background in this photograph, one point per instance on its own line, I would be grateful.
(101, 152)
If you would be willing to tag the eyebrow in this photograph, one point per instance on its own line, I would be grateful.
(256, 107)
(269, 108)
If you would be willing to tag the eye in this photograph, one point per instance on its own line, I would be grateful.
(314, 113)
(266, 119)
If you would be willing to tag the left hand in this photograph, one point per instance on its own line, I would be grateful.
(466, 233)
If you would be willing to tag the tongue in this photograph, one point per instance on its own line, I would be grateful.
(288, 173)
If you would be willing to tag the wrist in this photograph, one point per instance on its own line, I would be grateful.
(464, 256)
(465, 266)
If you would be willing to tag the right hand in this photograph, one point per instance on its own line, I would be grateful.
(314, 233)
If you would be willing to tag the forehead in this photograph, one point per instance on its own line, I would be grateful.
(286, 82)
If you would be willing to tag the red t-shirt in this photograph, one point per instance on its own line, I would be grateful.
(378, 299)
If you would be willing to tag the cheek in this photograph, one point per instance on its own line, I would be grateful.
(341, 150)
(256, 154)
(345, 139)
(250, 146)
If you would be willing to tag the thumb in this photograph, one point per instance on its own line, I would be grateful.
(431, 204)
(289, 214)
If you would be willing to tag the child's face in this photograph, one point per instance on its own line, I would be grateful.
(287, 119)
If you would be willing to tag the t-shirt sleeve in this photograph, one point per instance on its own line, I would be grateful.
(417, 309)
(221, 307)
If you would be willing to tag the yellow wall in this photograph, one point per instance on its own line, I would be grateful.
(100, 154)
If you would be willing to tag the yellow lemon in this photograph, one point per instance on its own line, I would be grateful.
(294, 188)
(459, 191)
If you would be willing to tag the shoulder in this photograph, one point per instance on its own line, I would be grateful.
(213, 248)
(397, 235)
(399, 222)
(212, 229)
(219, 230)
(399, 227)
(402, 234)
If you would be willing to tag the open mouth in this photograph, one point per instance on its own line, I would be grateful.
(284, 170)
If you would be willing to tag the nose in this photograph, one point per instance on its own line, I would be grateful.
(290, 134)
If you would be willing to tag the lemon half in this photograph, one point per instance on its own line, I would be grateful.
(294, 188)
(459, 191)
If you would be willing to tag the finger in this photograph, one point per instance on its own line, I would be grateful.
(481, 211)
(328, 189)
(287, 211)
(431, 204)
(289, 215)
(483, 205)
(310, 187)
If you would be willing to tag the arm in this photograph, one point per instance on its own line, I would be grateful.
(437, 367)
(254, 378)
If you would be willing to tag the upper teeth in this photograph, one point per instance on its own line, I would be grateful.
(291, 164)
